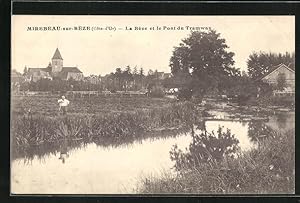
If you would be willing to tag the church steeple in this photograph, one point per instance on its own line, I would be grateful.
(57, 62)
(57, 55)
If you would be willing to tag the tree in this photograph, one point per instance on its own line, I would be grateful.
(43, 84)
(127, 77)
(25, 71)
(204, 57)
(141, 72)
(150, 72)
(118, 77)
(257, 65)
(128, 69)
(260, 63)
(281, 81)
(141, 77)
(135, 72)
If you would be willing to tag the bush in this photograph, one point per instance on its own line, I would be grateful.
(270, 168)
(205, 147)
(185, 94)
(157, 91)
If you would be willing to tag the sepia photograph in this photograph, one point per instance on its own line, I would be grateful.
(160, 104)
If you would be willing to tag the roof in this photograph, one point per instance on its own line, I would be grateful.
(63, 74)
(57, 55)
(65, 70)
(292, 66)
(30, 70)
(71, 69)
(14, 73)
(275, 68)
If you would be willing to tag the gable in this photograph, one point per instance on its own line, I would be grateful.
(281, 69)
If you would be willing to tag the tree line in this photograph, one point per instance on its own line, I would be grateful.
(200, 65)
(122, 79)
(205, 66)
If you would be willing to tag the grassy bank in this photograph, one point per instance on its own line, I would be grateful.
(48, 106)
(28, 130)
(267, 169)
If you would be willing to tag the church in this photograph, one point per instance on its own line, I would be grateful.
(54, 70)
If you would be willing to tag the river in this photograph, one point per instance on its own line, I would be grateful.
(95, 169)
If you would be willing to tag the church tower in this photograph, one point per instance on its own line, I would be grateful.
(57, 62)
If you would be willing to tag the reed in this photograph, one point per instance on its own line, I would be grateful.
(30, 130)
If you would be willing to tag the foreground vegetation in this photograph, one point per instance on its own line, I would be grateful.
(116, 126)
(48, 106)
(270, 168)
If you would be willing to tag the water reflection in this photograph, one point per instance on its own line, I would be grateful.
(205, 147)
(64, 146)
(41, 151)
(64, 150)
(104, 165)
(281, 122)
(258, 131)
(97, 169)
(237, 128)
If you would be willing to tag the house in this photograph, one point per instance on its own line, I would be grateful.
(16, 79)
(167, 75)
(35, 74)
(162, 75)
(280, 71)
(54, 70)
(94, 79)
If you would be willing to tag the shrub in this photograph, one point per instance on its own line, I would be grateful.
(205, 147)
(185, 94)
(270, 168)
(157, 91)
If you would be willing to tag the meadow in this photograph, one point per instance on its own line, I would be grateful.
(36, 121)
(47, 104)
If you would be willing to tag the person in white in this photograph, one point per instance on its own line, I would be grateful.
(63, 103)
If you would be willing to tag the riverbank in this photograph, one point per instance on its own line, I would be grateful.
(32, 129)
(225, 110)
(35, 120)
(270, 168)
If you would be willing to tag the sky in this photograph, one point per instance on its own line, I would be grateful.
(100, 52)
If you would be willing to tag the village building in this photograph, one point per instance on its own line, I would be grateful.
(16, 80)
(94, 79)
(163, 75)
(54, 70)
(281, 71)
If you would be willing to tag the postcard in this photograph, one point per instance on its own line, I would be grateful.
(132, 104)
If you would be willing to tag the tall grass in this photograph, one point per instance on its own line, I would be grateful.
(95, 105)
(37, 129)
(268, 169)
